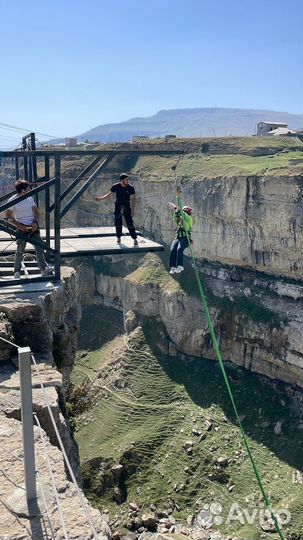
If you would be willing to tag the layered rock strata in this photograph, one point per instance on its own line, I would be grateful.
(252, 221)
(258, 321)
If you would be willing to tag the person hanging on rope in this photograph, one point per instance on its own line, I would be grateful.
(125, 205)
(184, 223)
(24, 216)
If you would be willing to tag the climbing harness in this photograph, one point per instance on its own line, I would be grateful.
(182, 233)
(219, 357)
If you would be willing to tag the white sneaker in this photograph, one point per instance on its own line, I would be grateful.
(179, 269)
(17, 275)
(173, 270)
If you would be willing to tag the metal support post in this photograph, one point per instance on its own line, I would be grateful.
(47, 205)
(57, 217)
(17, 172)
(33, 160)
(24, 356)
(25, 159)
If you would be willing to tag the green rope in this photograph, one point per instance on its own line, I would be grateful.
(219, 357)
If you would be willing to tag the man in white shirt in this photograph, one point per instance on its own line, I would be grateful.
(25, 215)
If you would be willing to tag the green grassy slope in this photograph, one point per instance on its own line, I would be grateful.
(205, 158)
(199, 166)
(145, 422)
(219, 157)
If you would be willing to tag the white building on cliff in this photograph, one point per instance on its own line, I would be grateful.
(263, 128)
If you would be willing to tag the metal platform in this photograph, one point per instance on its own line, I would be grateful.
(75, 232)
(83, 241)
(74, 242)
(58, 199)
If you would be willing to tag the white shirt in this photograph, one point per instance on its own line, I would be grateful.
(23, 211)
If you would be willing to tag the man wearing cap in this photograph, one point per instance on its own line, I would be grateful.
(125, 205)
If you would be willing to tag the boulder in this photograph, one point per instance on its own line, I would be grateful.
(278, 428)
(222, 461)
(130, 321)
(149, 521)
(6, 350)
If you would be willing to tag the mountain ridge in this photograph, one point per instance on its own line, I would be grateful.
(191, 122)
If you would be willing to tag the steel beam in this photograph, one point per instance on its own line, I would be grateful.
(22, 281)
(113, 251)
(75, 182)
(4, 226)
(11, 193)
(85, 186)
(7, 196)
(83, 153)
(29, 194)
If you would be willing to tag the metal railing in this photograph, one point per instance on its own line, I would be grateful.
(57, 208)
(5, 226)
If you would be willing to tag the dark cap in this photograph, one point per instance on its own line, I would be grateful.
(123, 175)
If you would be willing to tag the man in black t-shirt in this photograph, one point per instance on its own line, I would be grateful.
(124, 206)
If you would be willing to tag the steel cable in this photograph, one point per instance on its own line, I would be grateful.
(80, 495)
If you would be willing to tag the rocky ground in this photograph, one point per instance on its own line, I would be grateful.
(46, 321)
(159, 447)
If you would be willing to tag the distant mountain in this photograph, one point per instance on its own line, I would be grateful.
(191, 123)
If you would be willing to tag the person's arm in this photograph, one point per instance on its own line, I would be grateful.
(176, 214)
(104, 197)
(172, 206)
(35, 224)
(10, 217)
(133, 202)
(177, 218)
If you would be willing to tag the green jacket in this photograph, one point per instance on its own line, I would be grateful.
(184, 224)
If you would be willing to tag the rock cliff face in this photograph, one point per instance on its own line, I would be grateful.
(253, 221)
(248, 241)
(259, 321)
(47, 322)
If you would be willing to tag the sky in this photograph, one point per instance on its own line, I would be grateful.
(70, 65)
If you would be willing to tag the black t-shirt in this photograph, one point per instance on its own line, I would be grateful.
(123, 193)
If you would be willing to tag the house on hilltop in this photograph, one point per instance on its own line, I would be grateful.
(281, 132)
(140, 138)
(71, 142)
(263, 128)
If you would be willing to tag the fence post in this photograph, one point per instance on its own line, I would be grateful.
(24, 357)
